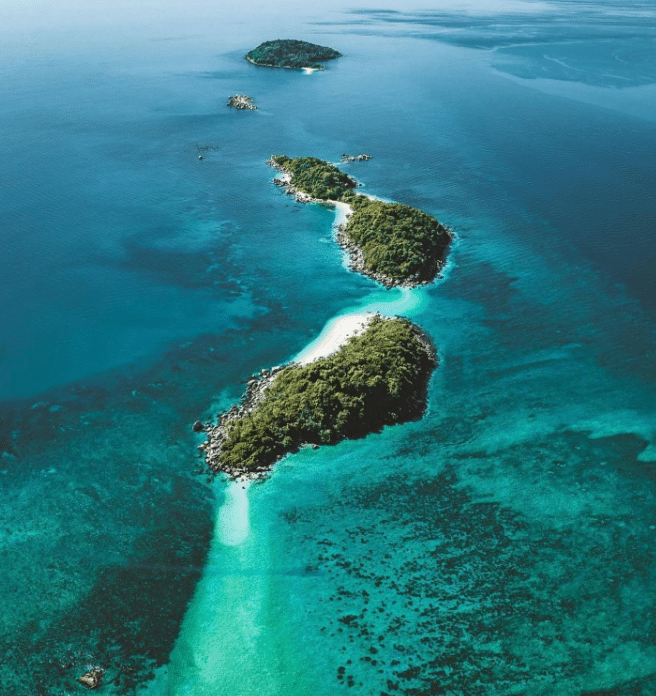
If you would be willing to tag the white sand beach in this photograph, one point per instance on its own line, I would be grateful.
(333, 336)
(342, 212)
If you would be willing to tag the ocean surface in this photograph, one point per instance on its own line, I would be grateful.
(504, 545)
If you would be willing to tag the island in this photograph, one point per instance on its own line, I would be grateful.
(310, 179)
(242, 102)
(394, 244)
(378, 376)
(291, 53)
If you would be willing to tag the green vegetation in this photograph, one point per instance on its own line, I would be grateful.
(317, 178)
(397, 241)
(399, 244)
(290, 53)
(377, 378)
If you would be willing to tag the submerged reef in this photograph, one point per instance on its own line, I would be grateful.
(376, 378)
(291, 53)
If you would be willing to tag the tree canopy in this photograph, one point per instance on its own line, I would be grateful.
(398, 241)
(317, 178)
(291, 53)
(402, 243)
(377, 378)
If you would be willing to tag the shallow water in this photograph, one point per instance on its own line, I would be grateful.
(501, 545)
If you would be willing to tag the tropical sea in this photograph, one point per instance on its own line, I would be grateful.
(502, 545)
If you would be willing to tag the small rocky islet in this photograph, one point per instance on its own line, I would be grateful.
(291, 53)
(241, 102)
(346, 158)
(92, 678)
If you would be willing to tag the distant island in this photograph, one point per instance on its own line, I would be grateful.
(291, 53)
(392, 243)
(378, 377)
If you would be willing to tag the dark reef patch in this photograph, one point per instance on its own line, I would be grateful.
(468, 596)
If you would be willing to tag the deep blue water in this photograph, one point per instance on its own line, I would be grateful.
(504, 544)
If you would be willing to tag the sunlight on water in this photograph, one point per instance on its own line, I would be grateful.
(233, 524)
(502, 544)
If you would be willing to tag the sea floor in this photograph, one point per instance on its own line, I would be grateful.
(502, 545)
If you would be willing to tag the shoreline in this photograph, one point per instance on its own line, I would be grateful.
(217, 433)
(283, 67)
(333, 336)
(355, 255)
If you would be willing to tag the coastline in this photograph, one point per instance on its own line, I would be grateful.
(354, 253)
(217, 434)
(333, 336)
(284, 67)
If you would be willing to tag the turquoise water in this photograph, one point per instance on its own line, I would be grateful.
(504, 544)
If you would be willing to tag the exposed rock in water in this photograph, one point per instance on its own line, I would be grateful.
(355, 158)
(197, 427)
(241, 101)
(93, 678)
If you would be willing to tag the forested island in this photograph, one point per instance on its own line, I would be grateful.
(393, 243)
(319, 180)
(377, 377)
(291, 53)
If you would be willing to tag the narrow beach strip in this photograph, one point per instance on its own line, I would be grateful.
(333, 336)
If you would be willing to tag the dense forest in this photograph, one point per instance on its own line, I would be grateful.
(379, 377)
(397, 241)
(399, 244)
(291, 53)
(317, 178)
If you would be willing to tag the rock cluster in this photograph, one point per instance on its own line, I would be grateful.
(354, 158)
(241, 101)
(93, 678)
(286, 183)
(218, 434)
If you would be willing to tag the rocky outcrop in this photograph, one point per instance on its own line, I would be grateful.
(241, 101)
(357, 264)
(355, 158)
(286, 183)
(93, 678)
(218, 434)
